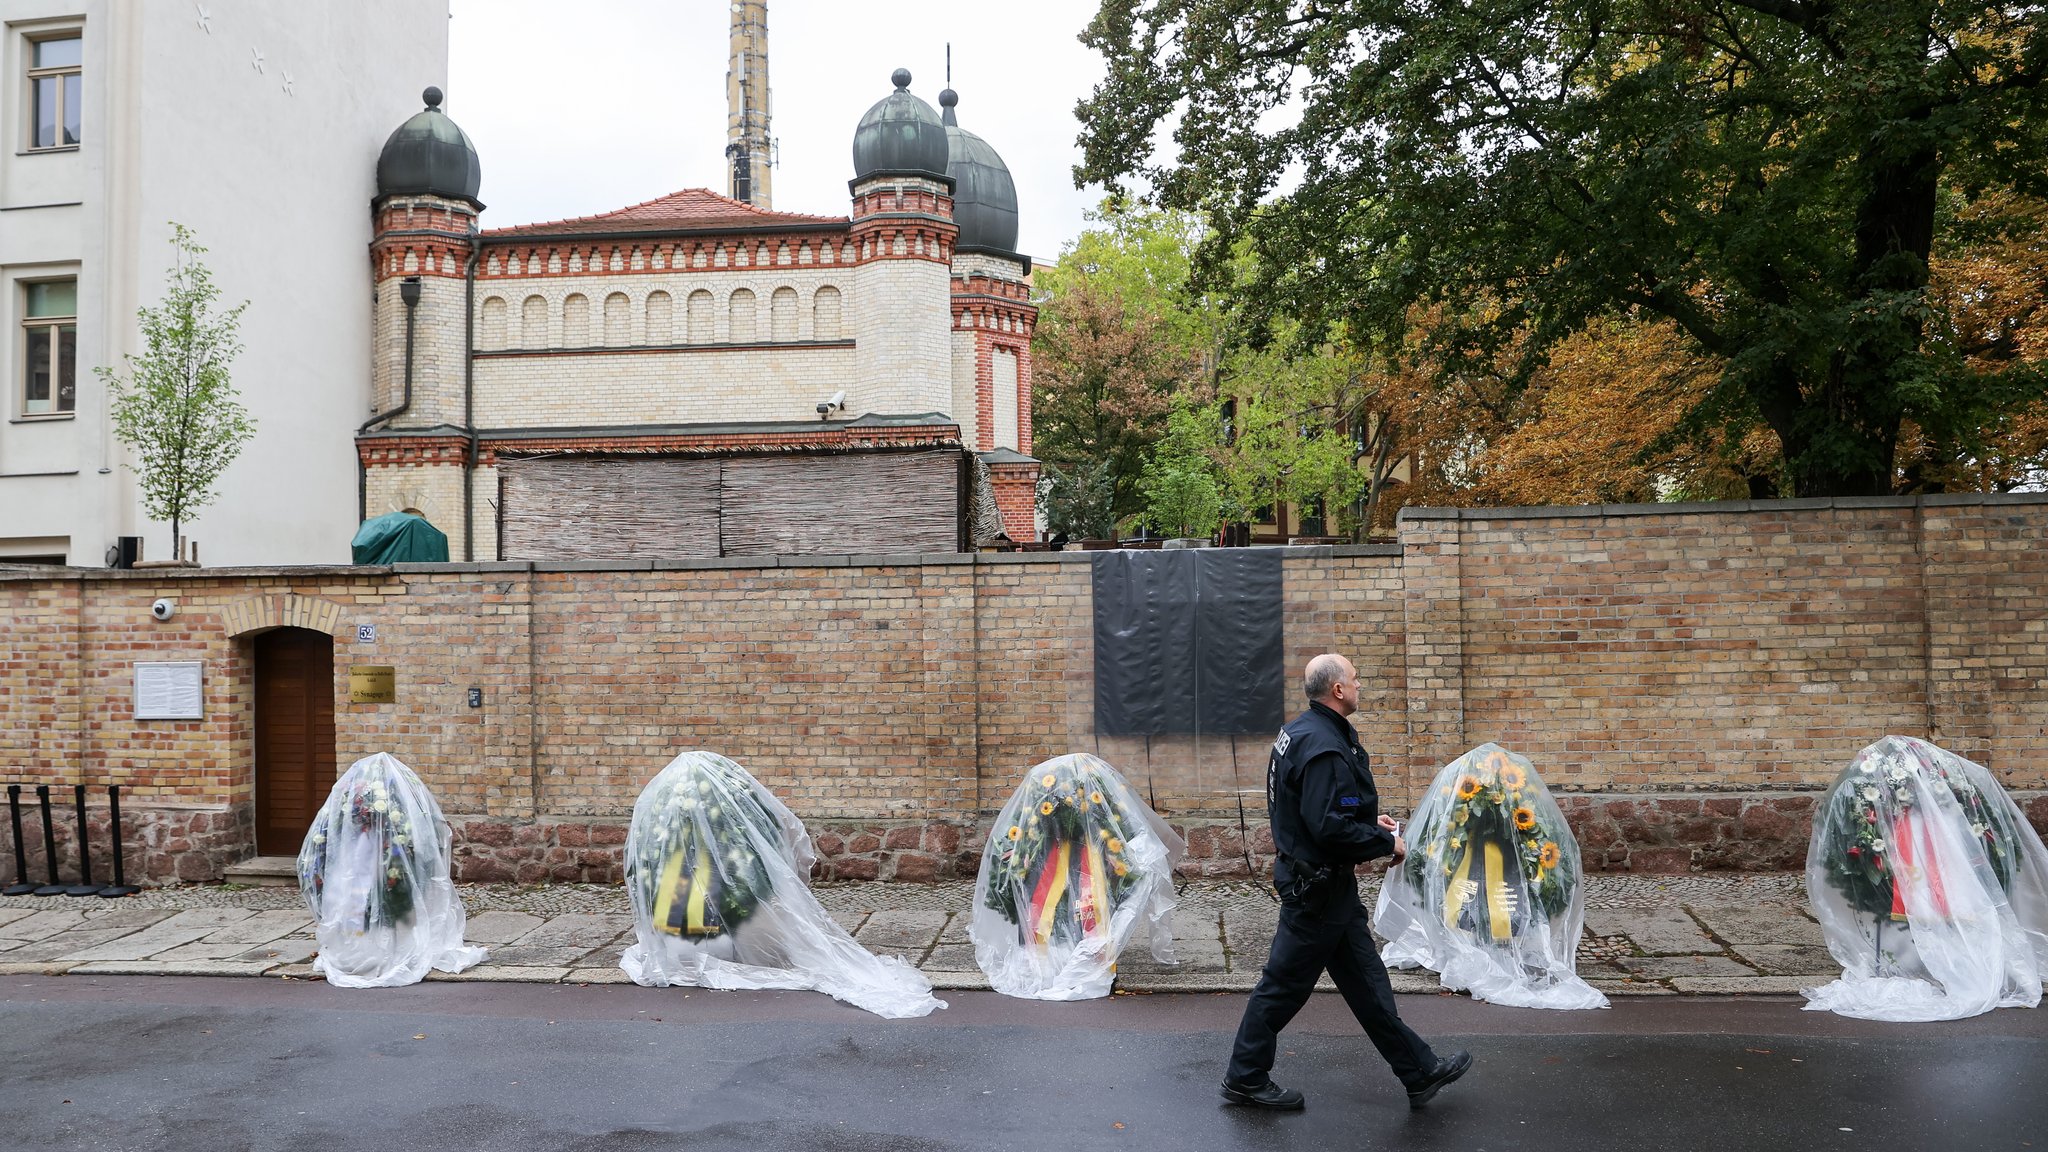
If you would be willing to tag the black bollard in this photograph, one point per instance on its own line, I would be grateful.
(85, 886)
(49, 845)
(120, 886)
(21, 885)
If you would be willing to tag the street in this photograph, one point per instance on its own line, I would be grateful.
(170, 1064)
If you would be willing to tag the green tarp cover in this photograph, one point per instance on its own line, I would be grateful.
(399, 538)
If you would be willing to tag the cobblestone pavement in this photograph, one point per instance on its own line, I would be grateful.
(1645, 935)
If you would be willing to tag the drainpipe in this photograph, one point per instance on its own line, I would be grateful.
(469, 396)
(409, 292)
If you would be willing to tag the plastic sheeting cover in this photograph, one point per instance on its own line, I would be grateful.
(1075, 864)
(374, 870)
(399, 538)
(1188, 641)
(718, 871)
(1490, 896)
(1931, 887)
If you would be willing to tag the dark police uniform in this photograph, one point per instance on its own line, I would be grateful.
(1325, 815)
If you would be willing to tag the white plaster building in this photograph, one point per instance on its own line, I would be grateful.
(257, 124)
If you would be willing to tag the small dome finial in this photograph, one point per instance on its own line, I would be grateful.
(900, 77)
(948, 98)
(432, 96)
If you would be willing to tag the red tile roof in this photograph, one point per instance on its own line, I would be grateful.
(690, 210)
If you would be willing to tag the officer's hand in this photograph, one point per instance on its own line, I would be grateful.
(1400, 849)
(1388, 822)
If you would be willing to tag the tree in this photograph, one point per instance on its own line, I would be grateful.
(1181, 494)
(1765, 175)
(176, 408)
(1118, 337)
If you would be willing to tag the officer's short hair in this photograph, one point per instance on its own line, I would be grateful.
(1322, 675)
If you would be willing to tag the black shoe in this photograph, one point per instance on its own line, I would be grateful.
(1267, 1095)
(1444, 1072)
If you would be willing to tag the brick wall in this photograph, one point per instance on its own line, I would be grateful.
(1686, 678)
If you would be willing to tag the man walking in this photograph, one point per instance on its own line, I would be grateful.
(1325, 817)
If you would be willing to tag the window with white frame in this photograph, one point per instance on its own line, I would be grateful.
(50, 348)
(55, 90)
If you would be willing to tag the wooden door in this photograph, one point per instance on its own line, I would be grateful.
(294, 735)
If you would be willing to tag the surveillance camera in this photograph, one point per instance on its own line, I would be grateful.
(164, 609)
(824, 409)
(839, 399)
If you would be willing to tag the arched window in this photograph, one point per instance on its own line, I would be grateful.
(825, 314)
(493, 336)
(782, 315)
(618, 320)
(576, 321)
(533, 323)
(703, 321)
(742, 327)
(660, 318)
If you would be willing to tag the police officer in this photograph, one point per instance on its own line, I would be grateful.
(1326, 819)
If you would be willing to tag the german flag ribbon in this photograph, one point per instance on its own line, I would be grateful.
(1051, 887)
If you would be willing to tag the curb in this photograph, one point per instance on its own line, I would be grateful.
(1405, 983)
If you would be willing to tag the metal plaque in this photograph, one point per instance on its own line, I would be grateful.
(372, 684)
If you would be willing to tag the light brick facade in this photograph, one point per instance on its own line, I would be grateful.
(689, 312)
(1687, 679)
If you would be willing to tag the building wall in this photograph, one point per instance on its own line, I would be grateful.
(906, 695)
(710, 385)
(179, 124)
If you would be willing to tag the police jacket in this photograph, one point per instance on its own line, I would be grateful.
(1324, 809)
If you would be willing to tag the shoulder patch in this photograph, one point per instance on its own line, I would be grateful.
(1348, 801)
(1281, 744)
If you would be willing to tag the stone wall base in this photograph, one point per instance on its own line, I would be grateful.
(1670, 833)
(158, 845)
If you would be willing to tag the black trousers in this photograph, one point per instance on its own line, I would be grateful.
(1327, 929)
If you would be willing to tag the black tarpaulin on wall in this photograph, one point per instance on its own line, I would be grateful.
(1188, 641)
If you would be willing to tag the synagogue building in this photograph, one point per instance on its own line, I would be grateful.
(701, 375)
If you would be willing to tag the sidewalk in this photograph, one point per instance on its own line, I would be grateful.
(1645, 935)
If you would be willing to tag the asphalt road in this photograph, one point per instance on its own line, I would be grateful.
(178, 1064)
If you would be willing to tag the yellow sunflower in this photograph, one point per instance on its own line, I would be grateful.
(1115, 845)
(1513, 776)
(1551, 854)
(1048, 780)
(1525, 819)
(1045, 809)
(1015, 831)
(1095, 797)
(1468, 787)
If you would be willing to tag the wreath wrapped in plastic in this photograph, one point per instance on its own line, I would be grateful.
(718, 871)
(1930, 886)
(374, 870)
(1490, 895)
(1075, 863)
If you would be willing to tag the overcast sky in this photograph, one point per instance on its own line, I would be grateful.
(626, 101)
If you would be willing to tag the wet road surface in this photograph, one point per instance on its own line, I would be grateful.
(199, 1065)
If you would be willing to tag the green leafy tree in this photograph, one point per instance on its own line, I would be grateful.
(1182, 497)
(1302, 430)
(1119, 335)
(1078, 500)
(176, 408)
(1769, 176)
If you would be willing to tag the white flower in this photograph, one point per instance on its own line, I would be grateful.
(392, 873)
(1870, 794)
(1977, 830)
(713, 812)
(1866, 767)
(381, 806)
(398, 840)
(1877, 845)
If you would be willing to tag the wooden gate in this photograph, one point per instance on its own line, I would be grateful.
(294, 735)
